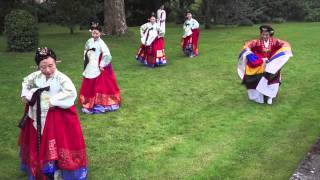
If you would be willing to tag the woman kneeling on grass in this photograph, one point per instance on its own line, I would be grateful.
(51, 140)
(260, 63)
(99, 91)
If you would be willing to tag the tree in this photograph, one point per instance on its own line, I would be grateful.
(207, 14)
(5, 8)
(179, 9)
(114, 17)
(21, 30)
(71, 12)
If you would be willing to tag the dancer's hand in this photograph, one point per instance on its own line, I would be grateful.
(265, 60)
(24, 100)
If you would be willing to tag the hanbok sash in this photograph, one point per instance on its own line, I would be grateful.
(92, 67)
(149, 36)
(36, 100)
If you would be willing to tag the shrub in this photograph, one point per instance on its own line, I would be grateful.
(21, 31)
(245, 22)
(313, 15)
(278, 20)
(262, 19)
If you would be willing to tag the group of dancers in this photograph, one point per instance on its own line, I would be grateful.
(51, 140)
(152, 50)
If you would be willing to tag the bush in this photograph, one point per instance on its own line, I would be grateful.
(262, 19)
(21, 31)
(313, 15)
(245, 22)
(278, 20)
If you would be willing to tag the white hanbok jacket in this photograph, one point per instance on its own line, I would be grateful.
(62, 93)
(149, 32)
(188, 26)
(92, 69)
(161, 19)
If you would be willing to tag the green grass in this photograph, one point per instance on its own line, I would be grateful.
(188, 120)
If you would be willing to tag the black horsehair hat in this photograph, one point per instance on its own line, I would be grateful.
(266, 28)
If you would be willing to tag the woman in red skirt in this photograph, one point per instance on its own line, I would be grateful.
(51, 140)
(99, 91)
(151, 52)
(190, 37)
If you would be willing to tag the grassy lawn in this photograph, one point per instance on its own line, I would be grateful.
(188, 120)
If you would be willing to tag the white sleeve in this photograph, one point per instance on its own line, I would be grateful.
(185, 26)
(163, 17)
(143, 28)
(187, 30)
(106, 55)
(66, 97)
(195, 24)
(28, 86)
(160, 31)
(87, 45)
(158, 14)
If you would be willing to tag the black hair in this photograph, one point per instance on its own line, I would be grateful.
(95, 26)
(43, 53)
(153, 15)
(266, 28)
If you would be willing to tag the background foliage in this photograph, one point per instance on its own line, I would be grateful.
(188, 120)
(21, 31)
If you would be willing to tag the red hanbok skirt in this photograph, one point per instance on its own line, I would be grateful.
(189, 44)
(152, 55)
(102, 90)
(61, 143)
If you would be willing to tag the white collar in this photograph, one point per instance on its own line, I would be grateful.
(266, 43)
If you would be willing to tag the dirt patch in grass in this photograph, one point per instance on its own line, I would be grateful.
(309, 167)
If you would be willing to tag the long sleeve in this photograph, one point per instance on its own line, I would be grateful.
(250, 45)
(160, 31)
(163, 16)
(106, 55)
(187, 29)
(28, 85)
(254, 60)
(143, 28)
(67, 95)
(281, 44)
(86, 47)
(194, 24)
(185, 25)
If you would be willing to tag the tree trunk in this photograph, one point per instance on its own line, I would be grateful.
(35, 10)
(207, 17)
(71, 28)
(114, 17)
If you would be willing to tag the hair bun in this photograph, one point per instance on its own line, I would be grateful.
(43, 53)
